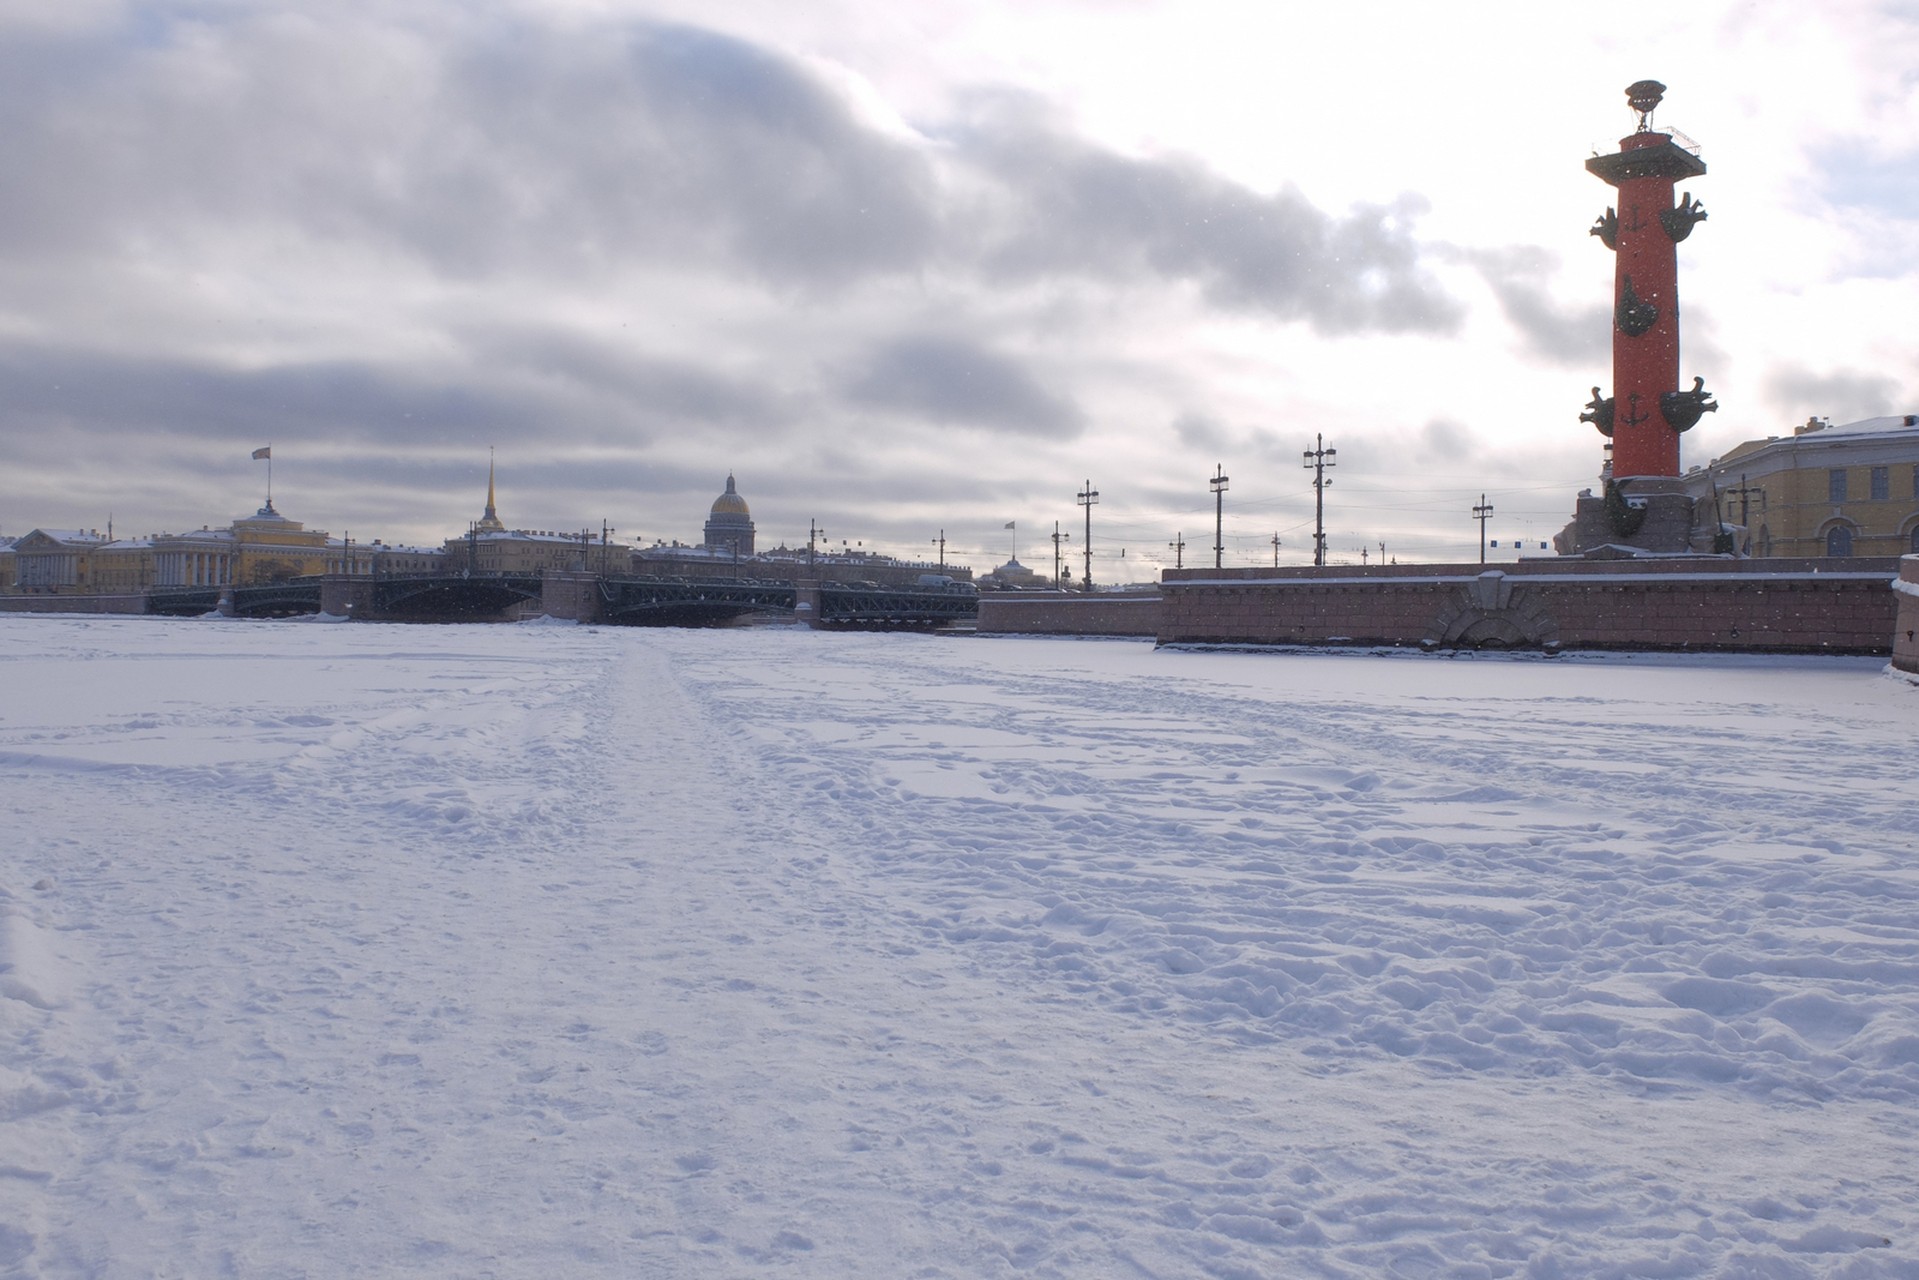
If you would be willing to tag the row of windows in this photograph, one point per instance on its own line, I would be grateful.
(1839, 541)
(1878, 483)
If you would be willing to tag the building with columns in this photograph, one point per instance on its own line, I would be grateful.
(50, 560)
(729, 526)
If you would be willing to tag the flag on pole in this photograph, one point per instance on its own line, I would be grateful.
(263, 453)
(1010, 523)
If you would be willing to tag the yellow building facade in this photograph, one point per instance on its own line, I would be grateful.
(268, 547)
(262, 548)
(1825, 490)
(50, 561)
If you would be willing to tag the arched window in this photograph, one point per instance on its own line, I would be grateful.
(1839, 541)
(1915, 539)
(1765, 540)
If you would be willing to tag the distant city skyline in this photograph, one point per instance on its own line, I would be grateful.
(913, 271)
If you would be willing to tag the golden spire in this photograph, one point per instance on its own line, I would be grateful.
(490, 522)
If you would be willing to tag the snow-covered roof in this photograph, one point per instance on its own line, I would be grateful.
(1895, 429)
(198, 535)
(74, 537)
(529, 535)
(1865, 426)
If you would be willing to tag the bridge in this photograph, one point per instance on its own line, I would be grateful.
(447, 597)
(649, 601)
(287, 599)
(663, 601)
(687, 602)
(625, 601)
(866, 606)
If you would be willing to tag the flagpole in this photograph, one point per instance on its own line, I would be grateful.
(265, 454)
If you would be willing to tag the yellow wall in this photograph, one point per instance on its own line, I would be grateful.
(1792, 510)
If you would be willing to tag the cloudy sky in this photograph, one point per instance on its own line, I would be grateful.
(908, 268)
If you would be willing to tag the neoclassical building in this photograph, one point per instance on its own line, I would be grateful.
(52, 559)
(261, 548)
(729, 528)
(490, 548)
(1824, 490)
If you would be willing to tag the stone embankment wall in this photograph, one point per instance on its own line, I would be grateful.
(1706, 604)
(1905, 636)
(1066, 613)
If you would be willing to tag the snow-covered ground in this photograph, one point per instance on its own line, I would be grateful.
(548, 951)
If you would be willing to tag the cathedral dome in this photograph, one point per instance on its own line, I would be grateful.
(730, 503)
(730, 527)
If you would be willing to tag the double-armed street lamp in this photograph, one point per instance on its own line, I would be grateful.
(1318, 458)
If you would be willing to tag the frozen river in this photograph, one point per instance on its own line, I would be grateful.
(553, 951)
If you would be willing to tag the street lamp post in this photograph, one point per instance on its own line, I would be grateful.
(1482, 513)
(1319, 457)
(1088, 497)
(1219, 515)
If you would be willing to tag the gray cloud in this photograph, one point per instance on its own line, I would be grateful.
(1071, 208)
(955, 380)
(631, 393)
(1518, 276)
(1446, 443)
(100, 393)
(1843, 395)
(477, 148)
(1202, 432)
(481, 148)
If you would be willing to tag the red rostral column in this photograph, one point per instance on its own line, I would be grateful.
(1646, 412)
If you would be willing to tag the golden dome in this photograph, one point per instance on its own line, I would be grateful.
(730, 503)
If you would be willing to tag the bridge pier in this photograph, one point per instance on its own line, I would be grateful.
(574, 597)
(347, 596)
(806, 601)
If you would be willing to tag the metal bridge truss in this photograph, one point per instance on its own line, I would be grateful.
(680, 602)
(623, 601)
(450, 598)
(871, 607)
(287, 599)
(710, 601)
